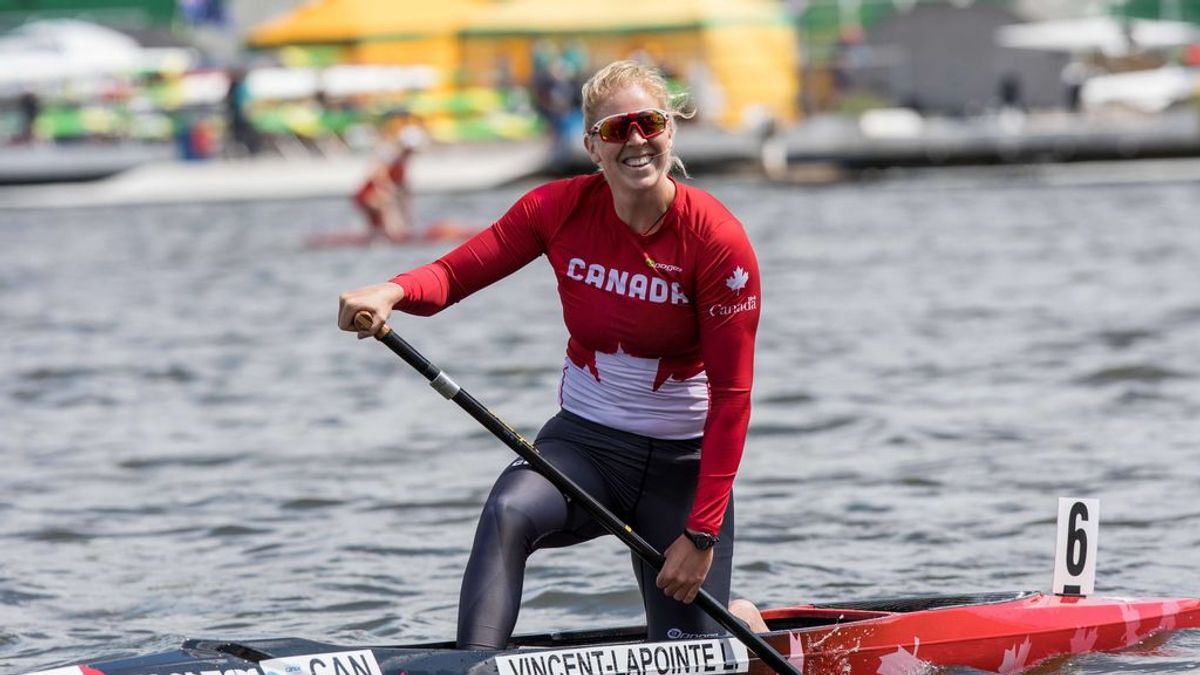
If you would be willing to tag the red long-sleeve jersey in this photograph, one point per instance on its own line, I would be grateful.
(661, 326)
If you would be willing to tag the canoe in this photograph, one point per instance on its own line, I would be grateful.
(998, 632)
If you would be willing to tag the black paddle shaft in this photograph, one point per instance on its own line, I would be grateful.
(447, 388)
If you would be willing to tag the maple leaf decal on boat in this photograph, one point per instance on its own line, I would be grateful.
(1170, 610)
(796, 651)
(903, 662)
(1084, 640)
(737, 281)
(1015, 659)
(1132, 620)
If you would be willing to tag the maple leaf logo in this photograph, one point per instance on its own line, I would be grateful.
(1132, 621)
(1084, 640)
(902, 662)
(1015, 659)
(796, 651)
(1170, 610)
(737, 281)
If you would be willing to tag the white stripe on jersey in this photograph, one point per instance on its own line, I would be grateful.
(624, 397)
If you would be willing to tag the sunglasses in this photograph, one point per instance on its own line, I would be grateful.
(616, 128)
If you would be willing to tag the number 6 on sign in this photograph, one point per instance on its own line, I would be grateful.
(1075, 553)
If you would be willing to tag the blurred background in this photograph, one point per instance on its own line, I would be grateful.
(976, 223)
(92, 87)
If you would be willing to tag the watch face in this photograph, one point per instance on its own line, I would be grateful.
(702, 541)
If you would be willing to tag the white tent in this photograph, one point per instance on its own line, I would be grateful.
(338, 81)
(64, 49)
(1105, 34)
(211, 86)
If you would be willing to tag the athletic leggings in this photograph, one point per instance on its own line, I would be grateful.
(648, 483)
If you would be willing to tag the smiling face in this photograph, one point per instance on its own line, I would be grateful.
(638, 164)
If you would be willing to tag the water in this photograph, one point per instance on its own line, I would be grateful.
(192, 449)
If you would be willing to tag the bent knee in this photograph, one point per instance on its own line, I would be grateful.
(518, 519)
(508, 512)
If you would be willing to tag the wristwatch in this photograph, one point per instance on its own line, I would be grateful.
(701, 540)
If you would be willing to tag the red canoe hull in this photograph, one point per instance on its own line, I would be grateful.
(1003, 637)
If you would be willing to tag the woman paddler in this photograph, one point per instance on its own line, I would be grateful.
(660, 293)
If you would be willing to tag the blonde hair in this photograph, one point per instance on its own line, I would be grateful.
(620, 75)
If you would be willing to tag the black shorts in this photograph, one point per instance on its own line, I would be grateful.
(648, 483)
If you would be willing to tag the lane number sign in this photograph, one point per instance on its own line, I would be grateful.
(1075, 552)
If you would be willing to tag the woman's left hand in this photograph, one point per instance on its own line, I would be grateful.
(684, 570)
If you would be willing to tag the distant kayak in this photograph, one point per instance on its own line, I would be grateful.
(437, 232)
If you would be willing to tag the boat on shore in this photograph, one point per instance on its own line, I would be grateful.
(997, 632)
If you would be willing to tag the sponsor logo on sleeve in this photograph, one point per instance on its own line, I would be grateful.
(360, 662)
(736, 282)
(749, 303)
(721, 655)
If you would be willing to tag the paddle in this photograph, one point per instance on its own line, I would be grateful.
(447, 388)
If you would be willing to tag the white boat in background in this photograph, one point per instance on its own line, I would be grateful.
(1108, 35)
(1147, 91)
(449, 168)
(45, 163)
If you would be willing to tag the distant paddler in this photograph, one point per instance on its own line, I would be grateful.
(661, 296)
(384, 198)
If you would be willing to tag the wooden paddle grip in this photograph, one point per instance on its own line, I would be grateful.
(363, 321)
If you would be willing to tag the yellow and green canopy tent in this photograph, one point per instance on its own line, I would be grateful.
(747, 47)
(538, 17)
(400, 32)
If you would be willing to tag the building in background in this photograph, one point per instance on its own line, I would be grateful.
(943, 59)
(942, 56)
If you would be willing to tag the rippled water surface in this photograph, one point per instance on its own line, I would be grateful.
(190, 447)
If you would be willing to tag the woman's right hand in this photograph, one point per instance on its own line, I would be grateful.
(376, 300)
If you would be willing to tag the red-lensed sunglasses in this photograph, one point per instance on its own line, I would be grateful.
(616, 128)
